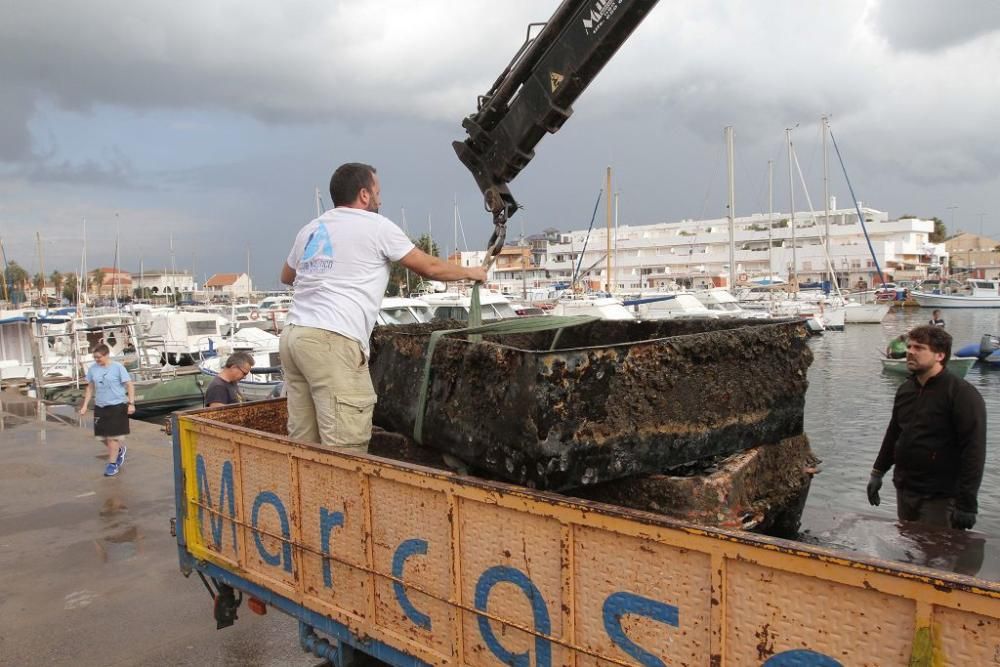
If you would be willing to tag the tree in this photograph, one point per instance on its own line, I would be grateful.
(16, 279)
(57, 280)
(38, 282)
(400, 280)
(97, 279)
(70, 285)
(940, 233)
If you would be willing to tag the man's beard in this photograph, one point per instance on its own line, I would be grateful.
(372, 207)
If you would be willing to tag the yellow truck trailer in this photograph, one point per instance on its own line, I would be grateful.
(415, 566)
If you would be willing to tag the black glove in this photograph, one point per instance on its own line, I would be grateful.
(874, 484)
(963, 520)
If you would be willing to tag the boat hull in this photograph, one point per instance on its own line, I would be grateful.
(957, 365)
(866, 313)
(927, 300)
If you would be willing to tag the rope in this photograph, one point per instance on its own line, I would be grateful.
(508, 326)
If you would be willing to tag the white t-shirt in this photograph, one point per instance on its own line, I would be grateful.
(341, 261)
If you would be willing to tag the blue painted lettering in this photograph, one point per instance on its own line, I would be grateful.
(270, 498)
(621, 603)
(502, 574)
(801, 658)
(327, 522)
(205, 498)
(406, 549)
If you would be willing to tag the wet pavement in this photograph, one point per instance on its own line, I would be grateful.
(88, 569)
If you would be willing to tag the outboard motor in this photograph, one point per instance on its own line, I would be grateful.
(988, 344)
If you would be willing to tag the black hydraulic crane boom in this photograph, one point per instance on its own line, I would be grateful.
(534, 93)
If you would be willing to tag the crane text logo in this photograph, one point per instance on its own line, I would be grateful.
(599, 13)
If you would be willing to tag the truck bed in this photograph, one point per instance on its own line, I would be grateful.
(416, 565)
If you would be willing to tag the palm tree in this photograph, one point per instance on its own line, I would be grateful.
(38, 282)
(97, 276)
(69, 288)
(57, 279)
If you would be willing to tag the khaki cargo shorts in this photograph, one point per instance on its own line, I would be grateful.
(330, 393)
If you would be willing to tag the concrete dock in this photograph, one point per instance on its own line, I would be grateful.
(88, 569)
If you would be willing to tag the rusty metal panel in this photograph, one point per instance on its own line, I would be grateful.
(612, 400)
(459, 571)
(332, 513)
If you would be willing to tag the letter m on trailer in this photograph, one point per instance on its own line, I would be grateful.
(226, 500)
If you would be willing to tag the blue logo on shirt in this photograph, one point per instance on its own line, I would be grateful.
(318, 245)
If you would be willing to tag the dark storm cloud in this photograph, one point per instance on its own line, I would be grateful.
(932, 25)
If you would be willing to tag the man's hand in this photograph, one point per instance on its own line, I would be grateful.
(963, 520)
(874, 484)
(478, 274)
(131, 408)
(83, 409)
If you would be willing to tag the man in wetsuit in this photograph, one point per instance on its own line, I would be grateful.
(936, 438)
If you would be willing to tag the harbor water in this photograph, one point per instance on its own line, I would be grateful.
(848, 406)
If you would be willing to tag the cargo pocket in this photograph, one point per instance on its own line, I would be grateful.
(354, 419)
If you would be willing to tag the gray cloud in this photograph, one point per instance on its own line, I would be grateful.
(931, 25)
(388, 82)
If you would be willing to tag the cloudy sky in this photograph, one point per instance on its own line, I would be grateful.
(213, 122)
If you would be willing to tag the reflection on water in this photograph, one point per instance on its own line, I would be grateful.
(848, 406)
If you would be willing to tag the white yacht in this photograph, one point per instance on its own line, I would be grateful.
(724, 304)
(453, 306)
(605, 307)
(404, 310)
(976, 293)
(665, 306)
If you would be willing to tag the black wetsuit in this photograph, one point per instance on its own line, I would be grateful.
(937, 440)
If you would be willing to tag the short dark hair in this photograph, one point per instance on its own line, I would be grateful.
(101, 348)
(348, 180)
(933, 337)
(239, 359)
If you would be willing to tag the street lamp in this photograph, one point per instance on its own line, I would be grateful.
(953, 208)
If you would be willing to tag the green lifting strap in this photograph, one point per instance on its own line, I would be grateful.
(508, 326)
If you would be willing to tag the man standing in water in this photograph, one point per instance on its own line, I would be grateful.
(936, 439)
(339, 266)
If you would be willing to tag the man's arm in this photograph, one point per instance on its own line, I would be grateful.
(887, 453)
(435, 268)
(287, 274)
(969, 414)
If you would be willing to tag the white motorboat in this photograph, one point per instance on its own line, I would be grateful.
(184, 337)
(404, 310)
(977, 293)
(605, 307)
(453, 306)
(678, 306)
(865, 313)
(724, 304)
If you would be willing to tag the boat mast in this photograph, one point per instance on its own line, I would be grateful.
(770, 220)
(618, 268)
(41, 268)
(608, 283)
(406, 229)
(826, 197)
(319, 204)
(794, 273)
(731, 206)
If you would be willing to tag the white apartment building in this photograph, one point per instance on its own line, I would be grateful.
(696, 253)
(164, 282)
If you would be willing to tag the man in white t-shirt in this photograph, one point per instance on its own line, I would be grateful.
(339, 266)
